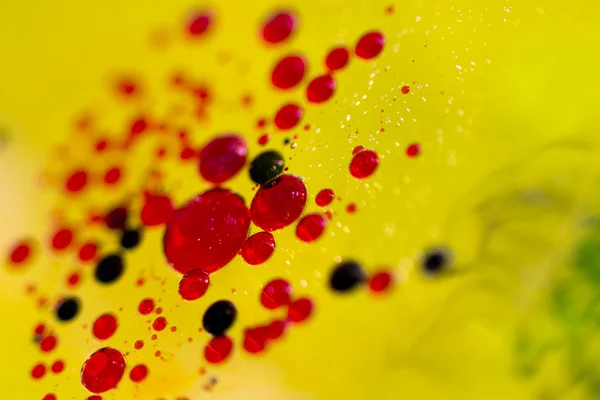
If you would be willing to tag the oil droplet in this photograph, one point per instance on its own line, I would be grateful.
(104, 326)
(48, 343)
(288, 116)
(258, 248)
(138, 373)
(337, 59)
(279, 27)
(103, 370)
(324, 197)
(219, 317)
(300, 310)
(199, 23)
(405, 89)
(310, 227)
(364, 164)
(146, 306)
(370, 45)
(320, 89)
(380, 281)
(218, 349)
(278, 203)
(288, 72)
(58, 366)
(413, 150)
(276, 293)
(38, 371)
(222, 158)
(157, 209)
(159, 324)
(194, 284)
(266, 166)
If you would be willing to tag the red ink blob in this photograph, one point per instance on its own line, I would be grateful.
(146, 306)
(300, 310)
(58, 366)
(138, 373)
(157, 209)
(218, 349)
(207, 232)
(104, 326)
(288, 72)
(76, 181)
(103, 370)
(194, 284)
(88, 251)
(337, 59)
(279, 27)
(277, 293)
(370, 45)
(405, 89)
(222, 158)
(288, 116)
(258, 248)
(199, 23)
(38, 371)
(324, 197)
(320, 89)
(413, 150)
(62, 239)
(48, 343)
(278, 203)
(159, 324)
(380, 281)
(310, 227)
(364, 164)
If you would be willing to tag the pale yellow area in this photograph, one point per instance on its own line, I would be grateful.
(491, 82)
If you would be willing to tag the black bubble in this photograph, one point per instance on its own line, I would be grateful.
(116, 218)
(109, 269)
(346, 276)
(436, 260)
(219, 317)
(131, 238)
(266, 166)
(67, 309)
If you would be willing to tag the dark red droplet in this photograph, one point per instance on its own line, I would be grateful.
(405, 89)
(370, 45)
(20, 252)
(278, 203)
(320, 89)
(222, 158)
(103, 370)
(199, 23)
(94, 397)
(146, 306)
(324, 197)
(138, 126)
(255, 340)
(112, 175)
(159, 324)
(276, 293)
(264, 139)
(62, 238)
(276, 329)
(288, 72)
(48, 343)
(258, 248)
(39, 329)
(105, 326)
(310, 227)
(288, 116)
(58, 366)
(364, 164)
(357, 150)
(300, 310)
(139, 344)
(207, 232)
(279, 27)
(351, 208)
(337, 58)
(413, 150)
(116, 218)
(194, 284)
(218, 349)
(38, 371)
(88, 251)
(157, 209)
(138, 373)
(76, 181)
(49, 396)
(380, 281)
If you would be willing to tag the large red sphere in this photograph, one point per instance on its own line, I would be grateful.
(103, 370)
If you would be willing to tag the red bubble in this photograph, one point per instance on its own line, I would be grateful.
(218, 349)
(413, 150)
(324, 197)
(88, 251)
(276, 329)
(380, 281)
(258, 248)
(288, 72)
(278, 203)
(159, 324)
(62, 239)
(222, 158)
(300, 310)
(199, 23)
(20, 252)
(370, 45)
(320, 89)
(255, 340)
(310, 227)
(139, 344)
(112, 175)
(337, 58)
(279, 27)
(38, 371)
(48, 343)
(76, 181)
(146, 306)
(207, 232)
(277, 293)
(405, 89)
(138, 373)
(103, 370)
(157, 209)
(58, 366)
(194, 284)
(105, 326)
(288, 116)
(364, 164)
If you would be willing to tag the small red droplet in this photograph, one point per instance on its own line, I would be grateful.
(112, 175)
(105, 326)
(76, 181)
(73, 279)
(49, 396)
(138, 373)
(288, 72)
(218, 349)
(38, 371)
(324, 197)
(139, 344)
(405, 89)
(255, 340)
(276, 293)
(357, 150)
(146, 306)
(48, 343)
(337, 58)
(413, 150)
(58, 366)
(39, 329)
(157, 209)
(103, 370)
(159, 310)
(159, 324)
(288, 116)
(278, 203)
(276, 329)
(264, 139)
(300, 310)
(279, 27)
(351, 208)
(194, 284)
(187, 153)
(258, 248)
(138, 126)
(20, 252)
(320, 89)
(88, 251)
(222, 158)
(310, 227)
(62, 239)
(364, 164)
(380, 281)
(370, 45)
(199, 23)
